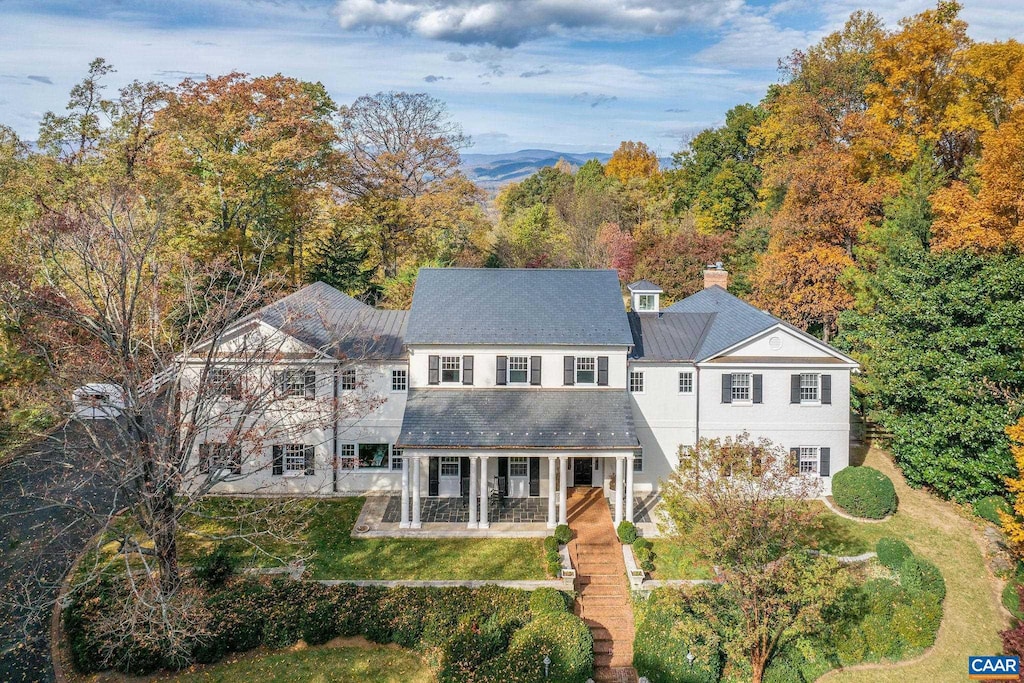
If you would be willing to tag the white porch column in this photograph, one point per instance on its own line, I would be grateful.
(483, 493)
(620, 483)
(552, 483)
(629, 488)
(416, 493)
(404, 524)
(563, 515)
(472, 492)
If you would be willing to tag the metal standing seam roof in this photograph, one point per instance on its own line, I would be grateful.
(518, 418)
(668, 336)
(338, 325)
(518, 306)
(734, 320)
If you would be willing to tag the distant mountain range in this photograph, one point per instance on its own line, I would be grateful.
(491, 171)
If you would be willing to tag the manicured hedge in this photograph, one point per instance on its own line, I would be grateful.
(920, 575)
(892, 552)
(627, 532)
(488, 635)
(864, 492)
(989, 508)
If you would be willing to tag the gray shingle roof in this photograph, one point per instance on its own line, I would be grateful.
(518, 418)
(336, 324)
(644, 286)
(734, 319)
(668, 336)
(517, 306)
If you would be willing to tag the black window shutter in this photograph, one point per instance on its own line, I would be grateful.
(467, 370)
(434, 370)
(501, 371)
(432, 480)
(280, 378)
(204, 457)
(602, 371)
(758, 388)
(825, 462)
(534, 476)
(794, 388)
(826, 389)
(535, 372)
(794, 461)
(464, 477)
(310, 384)
(726, 388)
(278, 460)
(236, 460)
(503, 476)
(310, 453)
(569, 371)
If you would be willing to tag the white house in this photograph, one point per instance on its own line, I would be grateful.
(497, 380)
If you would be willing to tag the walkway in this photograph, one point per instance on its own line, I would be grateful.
(604, 593)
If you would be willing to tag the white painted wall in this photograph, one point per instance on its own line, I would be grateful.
(664, 419)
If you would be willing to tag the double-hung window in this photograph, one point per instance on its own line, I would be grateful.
(518, 467)
(295, 458)
(451, 367)
(225, 382)
(399, 380)
(808, 460)
(810, 387)
(518, 369)
(347, 454)
(214, 457)
(396, 459)
(449, 466)
(348, 379)
(741, 382)
(290, 383)
(686, 382)
(636, 381)
(586, 370)
(638, 461)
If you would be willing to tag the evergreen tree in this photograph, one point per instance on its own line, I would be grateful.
(338, 262)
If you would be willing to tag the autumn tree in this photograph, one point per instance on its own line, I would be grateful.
(674, 255)
(743, 505)
(1012, 524)
(632, 160)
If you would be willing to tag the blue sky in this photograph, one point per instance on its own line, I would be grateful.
(571, 75)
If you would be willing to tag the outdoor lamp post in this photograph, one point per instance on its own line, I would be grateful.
(690, 658)
(547, 664)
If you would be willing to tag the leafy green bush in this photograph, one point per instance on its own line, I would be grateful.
(864, 492)
(918, 574)
(989, 508)
(564, 638)
(851, 647)
(882, 641)
(782, 669)
(212, 569)
(665, 633)
(563, 533)
(642, 542)
(642, 549)
(547, 600)
(626, 531)
(917, 623)
(554, 568)
(892, 552)
(550, 543)
(1011, 599)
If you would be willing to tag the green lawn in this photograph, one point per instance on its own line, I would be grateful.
(331, 552)
(318, 665)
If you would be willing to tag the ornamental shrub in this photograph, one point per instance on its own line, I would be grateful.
(782, 669)
(1011, 599)
(864, 492)
(989, 508)
(213, 568)
(918, 574)
(548, 600)
(564, 638)
(882, 641)
(665, 633)
(644, 555)
(892, 552)
(554, 568)
(642, 542)
(917, 623)
(851, 647)
(563, 533)
(626, 531)
(550, 543)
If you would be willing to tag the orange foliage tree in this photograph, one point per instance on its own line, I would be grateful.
(632, 160)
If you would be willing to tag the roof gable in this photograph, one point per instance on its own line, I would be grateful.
(734, 319)
(518, 306)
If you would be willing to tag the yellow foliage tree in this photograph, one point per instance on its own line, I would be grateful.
(1012, 525)
(632, 160)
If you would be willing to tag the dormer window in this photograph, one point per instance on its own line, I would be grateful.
(645, 296)
(647, 302)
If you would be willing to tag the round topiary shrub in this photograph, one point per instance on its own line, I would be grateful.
(920, 575)
(563, 533)
(864, 492)
(626, 531)
(563, 637)
(550, 543)
(547, 601)
(989, 508)
(892, 552)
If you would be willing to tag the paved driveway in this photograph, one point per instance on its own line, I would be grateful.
(39, 540)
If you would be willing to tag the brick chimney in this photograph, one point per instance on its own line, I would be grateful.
(715, 274)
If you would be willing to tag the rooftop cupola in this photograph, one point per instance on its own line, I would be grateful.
(645, 296)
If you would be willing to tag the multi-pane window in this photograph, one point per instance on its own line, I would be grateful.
(638, 461)
(808, 459)
(399, 380)
(450, 367)
(396, 458)
(220, 456)
(636, 381)
(225, 382)
(373, 455)
(347, 453)
(295, 458)
(686, 382)
(809, 386)
(645, 302)
(518, 369)
(348, 379)
(449, 466)
(586, 372)
(290, 383)
(518, 467)
(741, 386)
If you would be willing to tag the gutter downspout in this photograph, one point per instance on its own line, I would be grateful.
(334, 441)
(696, 388)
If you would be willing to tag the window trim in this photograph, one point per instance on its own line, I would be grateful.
(395, 372)
(290, 383)
(348, 377)
(749, 400)
(449, 460)
(518, 461)
(639, 375)
(689, 375)
(816, 461)
(816, 401)
(578, 370)
(508, 370)
(640, 302)
(385, 465)
(288, 455)
(346, 460)
(225, 381)
(457, 369)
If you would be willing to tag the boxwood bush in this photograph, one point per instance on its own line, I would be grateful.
(989, 508)
(561, 636)
(864, 492)
(563, 533)
(627, 532)
(920, 575)
(665, 632)
(892, 552)
(548, 600)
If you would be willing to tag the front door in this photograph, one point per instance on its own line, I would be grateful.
(519, 477)
(582, 472)
(450, 477)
